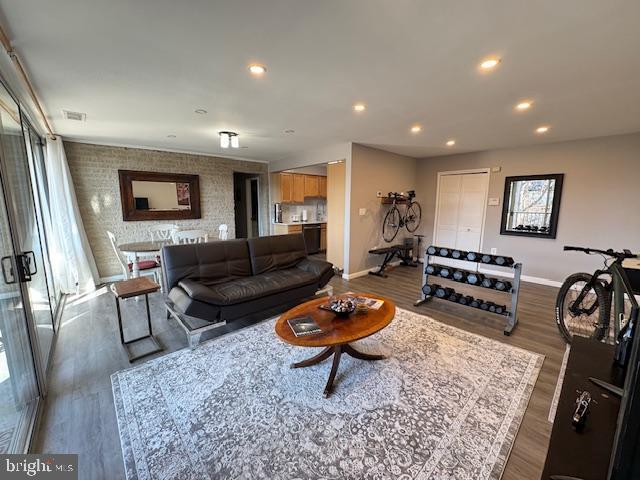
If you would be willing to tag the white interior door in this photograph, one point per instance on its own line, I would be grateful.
(460, 208)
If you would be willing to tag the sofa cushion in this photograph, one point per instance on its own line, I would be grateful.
(211, 262)
(248, 288)
(276, 252)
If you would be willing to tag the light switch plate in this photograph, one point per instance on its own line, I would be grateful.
(363, 212)
(494, 201)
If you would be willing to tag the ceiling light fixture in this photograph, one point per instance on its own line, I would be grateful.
(451, 143)
(334, 162)
(229, 139)
(257, 69)
(524, 105)
(201, 111)
(289, 131)
(171, 136)
(490, 63)
(359, 107)
(416, 129)
(542, 129)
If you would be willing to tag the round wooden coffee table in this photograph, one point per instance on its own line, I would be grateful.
(337, 333)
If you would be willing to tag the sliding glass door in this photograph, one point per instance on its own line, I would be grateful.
(19, 390)
(26, 292)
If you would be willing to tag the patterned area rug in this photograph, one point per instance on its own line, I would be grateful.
(446, 404)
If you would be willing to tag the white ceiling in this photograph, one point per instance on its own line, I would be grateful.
(139, 69)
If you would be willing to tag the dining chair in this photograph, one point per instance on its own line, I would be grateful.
(223, 232)
(190, 236)
(147, 267)
(163, 231)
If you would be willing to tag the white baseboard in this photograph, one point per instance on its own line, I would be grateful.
(362, 273)
(524, 278)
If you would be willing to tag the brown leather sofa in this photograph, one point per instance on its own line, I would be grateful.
(217, 282)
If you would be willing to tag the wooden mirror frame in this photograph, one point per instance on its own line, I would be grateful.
(555, 207)
(129, 212)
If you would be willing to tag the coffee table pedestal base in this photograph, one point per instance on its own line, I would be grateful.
(336, 351)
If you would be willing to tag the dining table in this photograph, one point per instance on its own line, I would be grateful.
(142, 248)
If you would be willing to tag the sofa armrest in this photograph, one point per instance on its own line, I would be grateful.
(322, 270)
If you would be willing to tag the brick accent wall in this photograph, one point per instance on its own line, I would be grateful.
(94, 169)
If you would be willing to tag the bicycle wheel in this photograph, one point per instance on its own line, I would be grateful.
(414, 214)
(588, 319)
(391, 224)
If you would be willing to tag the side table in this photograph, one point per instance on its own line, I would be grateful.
(135, 287)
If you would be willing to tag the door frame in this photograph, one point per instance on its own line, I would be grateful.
(486, 199)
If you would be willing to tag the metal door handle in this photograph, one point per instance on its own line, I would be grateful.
(5, 273)
(30, 259)
(25, 261)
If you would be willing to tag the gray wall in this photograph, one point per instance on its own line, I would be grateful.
(374, 170)
(600, 204)
(94, 169)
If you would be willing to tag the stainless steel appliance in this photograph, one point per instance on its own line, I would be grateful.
(277, 212)
(311, 234)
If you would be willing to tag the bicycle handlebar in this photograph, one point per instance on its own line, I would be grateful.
(620, 255)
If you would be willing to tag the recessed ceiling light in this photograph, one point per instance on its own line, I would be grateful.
(257, 69)
(524, 105)
(359, 107)
(542, 129)
(289, 131)
(201, 111)
(416, 129)
(171, 136)
(490, 63)
(451, 143)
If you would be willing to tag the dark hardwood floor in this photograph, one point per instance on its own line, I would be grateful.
(79, 415)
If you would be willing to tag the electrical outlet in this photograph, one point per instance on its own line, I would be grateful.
(363, 212)
(494, 251)
(379, 194)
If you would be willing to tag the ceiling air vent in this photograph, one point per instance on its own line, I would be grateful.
(69, 115)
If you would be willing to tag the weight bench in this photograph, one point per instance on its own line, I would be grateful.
(403, 252)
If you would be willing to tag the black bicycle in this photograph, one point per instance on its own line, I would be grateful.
(394, 220)
(583, 306)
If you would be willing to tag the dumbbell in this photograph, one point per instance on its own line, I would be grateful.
(475, 278)
(459, 275)
(430, 269)
(432, 250)
(503, 285)
(454, 297)
(466, 300)
(430, 289)
(444, 292)
(492, 307)
(472, 256)
(486, 258)
(504, 261)
(484, 305)
(475, 303)
(445, 272)
(500, 309)
(444, 252)
(458, 254)
(488, 282)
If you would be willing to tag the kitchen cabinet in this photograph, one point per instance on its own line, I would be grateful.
(298, 188)
(322, 187)
(286, 187)
(295, 187)
(323, 235)
(311, 186)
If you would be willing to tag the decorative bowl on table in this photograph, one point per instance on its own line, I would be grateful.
(342, 306)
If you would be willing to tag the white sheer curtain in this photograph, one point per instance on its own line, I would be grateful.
(74, 267)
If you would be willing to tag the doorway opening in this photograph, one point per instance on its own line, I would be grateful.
(246, 193)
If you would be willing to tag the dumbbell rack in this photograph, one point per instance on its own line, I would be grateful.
(512, 315)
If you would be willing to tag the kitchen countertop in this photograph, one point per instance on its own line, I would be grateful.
(286, 224)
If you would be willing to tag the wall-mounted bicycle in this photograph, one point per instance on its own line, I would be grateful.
(394, 220)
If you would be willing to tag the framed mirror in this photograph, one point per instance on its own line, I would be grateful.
(158, 196)
(531, 205)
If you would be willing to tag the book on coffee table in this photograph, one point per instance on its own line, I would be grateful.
(372, 303)
(302, 326)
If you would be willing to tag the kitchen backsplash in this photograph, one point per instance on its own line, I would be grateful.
(316, 211)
